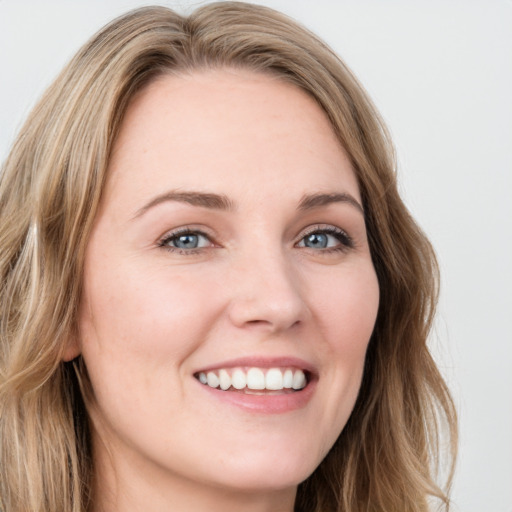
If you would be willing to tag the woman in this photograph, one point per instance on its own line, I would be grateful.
(212, 295)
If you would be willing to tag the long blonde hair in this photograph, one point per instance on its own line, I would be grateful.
(387, 455)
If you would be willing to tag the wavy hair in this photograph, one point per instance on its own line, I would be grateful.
(387, 456)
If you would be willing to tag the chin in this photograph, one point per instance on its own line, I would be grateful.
(268, 480)
(267, 471)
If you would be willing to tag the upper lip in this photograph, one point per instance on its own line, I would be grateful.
(259, 361)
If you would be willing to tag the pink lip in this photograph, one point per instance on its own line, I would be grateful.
(264, 404)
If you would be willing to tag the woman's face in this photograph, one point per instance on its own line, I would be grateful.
(230, 247)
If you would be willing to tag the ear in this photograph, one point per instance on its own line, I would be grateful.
(72, 349)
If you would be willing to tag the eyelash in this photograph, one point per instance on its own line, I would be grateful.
(343, 238)
(169, 237)
(346, 242)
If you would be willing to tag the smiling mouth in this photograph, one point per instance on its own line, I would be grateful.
(255, 381)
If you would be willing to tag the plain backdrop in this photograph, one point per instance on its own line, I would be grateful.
(440, 71)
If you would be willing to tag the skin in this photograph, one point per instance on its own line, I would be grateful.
(151, 317)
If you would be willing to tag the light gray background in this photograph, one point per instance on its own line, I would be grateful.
(441, 74)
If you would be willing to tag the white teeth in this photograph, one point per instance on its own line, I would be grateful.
(224, 380)
(273, 379)
(255, 379)
(299, 380)
(213, 380)
(238, 379)
(288, 379)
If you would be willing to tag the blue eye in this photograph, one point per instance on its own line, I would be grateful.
(327, 238)
(316, 241)
(186, 241)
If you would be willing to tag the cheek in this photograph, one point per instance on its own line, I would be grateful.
(346, 313)
(137, 327)
(347, 310)
(143, 311)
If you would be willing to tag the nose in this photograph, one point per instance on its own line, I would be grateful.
(267, 293)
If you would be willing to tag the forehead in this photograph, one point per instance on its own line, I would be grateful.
(227, 128)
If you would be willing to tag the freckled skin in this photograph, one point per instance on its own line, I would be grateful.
(152, 315)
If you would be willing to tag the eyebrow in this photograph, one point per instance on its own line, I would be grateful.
(223, 203)
(201, 199)
(308, 202)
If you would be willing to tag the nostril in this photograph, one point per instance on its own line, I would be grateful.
(269, 324)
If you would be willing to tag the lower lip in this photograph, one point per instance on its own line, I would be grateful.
(264, 404)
